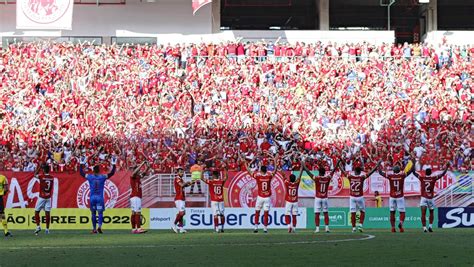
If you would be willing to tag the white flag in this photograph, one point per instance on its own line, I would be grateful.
(44, 14)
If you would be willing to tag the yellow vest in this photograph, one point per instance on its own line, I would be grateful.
(3, 183)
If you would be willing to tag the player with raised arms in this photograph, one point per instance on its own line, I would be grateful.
(356, 199)
(264, 188)
(322, 181)
(136, 197)
(396, 202)
(427, 184)
(179, 200)
(292, 184)
(216, 190)
(44, 200)
(96, 196)
(3, 192)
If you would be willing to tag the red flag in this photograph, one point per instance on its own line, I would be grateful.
(197, 4)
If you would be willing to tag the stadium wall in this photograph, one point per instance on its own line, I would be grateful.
(171, 21)
(134, 18)
(452, 37)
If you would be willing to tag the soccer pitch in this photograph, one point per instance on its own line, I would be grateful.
(444, 247)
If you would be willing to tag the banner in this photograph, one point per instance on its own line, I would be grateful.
(236, 218)
(197, 4)
(73, 219)
(240, 190)
(69, 190)
(456, 217)
(374, 218)
(44, 14)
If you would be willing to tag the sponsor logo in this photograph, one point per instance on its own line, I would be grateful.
(243, 191)
(44, 11)
(456, 217)
(111, 193)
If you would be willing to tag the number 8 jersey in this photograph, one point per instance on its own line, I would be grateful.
(263, 184)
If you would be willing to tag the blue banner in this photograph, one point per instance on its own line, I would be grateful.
(455, 217)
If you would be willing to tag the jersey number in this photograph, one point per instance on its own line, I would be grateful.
(322, 188)
(264, 186)
(48, 186)
(217, 190)
(427, 187)
(355, 186)
(292, 192)
(396, 184)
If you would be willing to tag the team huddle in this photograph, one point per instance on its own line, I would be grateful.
(98, 175)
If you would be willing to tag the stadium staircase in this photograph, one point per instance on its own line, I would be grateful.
(459, 194)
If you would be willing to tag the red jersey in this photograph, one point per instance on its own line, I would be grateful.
(322, 186)
(427, 184)
(356, 185)
(397, 182)
(46, 185)
(216, 189)
(180, 195)
(291, 191)
(263, 184)
(136, 185)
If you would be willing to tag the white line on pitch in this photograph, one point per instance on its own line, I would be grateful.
(367, 237)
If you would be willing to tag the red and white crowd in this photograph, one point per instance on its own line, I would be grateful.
(175, 105)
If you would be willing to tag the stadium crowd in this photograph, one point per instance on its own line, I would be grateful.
(209, 103)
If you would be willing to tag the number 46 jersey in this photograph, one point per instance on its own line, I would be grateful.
(216, 190)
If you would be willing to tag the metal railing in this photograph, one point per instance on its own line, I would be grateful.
(160, 188)
(459, 194)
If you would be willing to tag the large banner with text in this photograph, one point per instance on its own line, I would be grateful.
(70, 190)
(62, 219)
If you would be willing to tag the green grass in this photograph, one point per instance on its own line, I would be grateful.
(453, 247)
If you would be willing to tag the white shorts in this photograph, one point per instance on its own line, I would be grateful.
(217, 207)
(320, 204)
(397, 204)
(291, 208)
(136, 204)
(180, 205)
(43, 204)
(426, 202)
(356, 204)
(262, 202)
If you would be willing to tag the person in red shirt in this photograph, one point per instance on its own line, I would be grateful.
(427, 184)
(264, 180)
(216, 190)
(136, 197)
(322, 181)
(397, 199)
(44, 200)
(356, 200)
(179, 200)
(292, 185)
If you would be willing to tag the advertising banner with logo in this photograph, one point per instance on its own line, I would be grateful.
(241, 190)
(69, 190)
(456, 217)
(236, 218)
(338, 218)
(44, 14)
(73, 219)
(374, 218)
